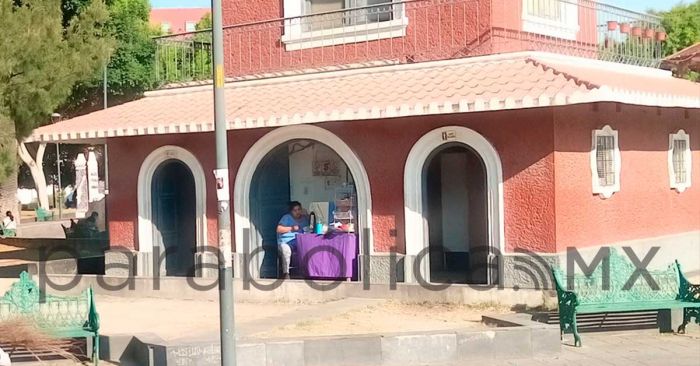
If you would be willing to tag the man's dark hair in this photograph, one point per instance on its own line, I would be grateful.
(294, 204)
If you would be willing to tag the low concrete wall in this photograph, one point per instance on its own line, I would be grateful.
(521, 341)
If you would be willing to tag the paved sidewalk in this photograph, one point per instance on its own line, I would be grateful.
(628, 348)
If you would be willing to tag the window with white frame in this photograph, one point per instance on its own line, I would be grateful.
(190, 26)
(318, 23)
(555, 18)
(545, 9)
(339, 13)
(605, 162)
(679, 164)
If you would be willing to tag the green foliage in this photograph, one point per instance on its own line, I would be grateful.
(130, 68)
(41, 61)
(184, 60)
(204, 23)
(71, 8)
(682, 23)
(8, 161)
(185, 57)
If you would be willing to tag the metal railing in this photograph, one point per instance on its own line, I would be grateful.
(413, 31)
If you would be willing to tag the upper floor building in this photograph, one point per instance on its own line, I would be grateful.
(177, 20)
(274, 37)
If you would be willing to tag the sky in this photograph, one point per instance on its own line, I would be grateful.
(637, 5)
(180, 3)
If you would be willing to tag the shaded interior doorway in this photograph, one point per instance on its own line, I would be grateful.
(455, 199)
(298, 170)
(174, 217)
(269, 196)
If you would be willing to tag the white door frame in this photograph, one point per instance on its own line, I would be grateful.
(146, 228)
(255, 155)
(416, 224)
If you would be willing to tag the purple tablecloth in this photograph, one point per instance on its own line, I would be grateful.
(327, 256)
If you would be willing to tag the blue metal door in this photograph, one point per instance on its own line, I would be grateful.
(269, 197)
(174, 217)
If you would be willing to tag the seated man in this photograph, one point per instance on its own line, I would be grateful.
(86, 228)
(8, 226)
(290, 225)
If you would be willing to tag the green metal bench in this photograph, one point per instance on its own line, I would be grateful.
(587, 296)
(58, 316)
(43, 214)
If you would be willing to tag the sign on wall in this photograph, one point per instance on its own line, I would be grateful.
(93, 178)
(81, 186)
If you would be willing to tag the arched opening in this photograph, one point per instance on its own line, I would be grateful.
(247, 237)
(455, 207)
(302, 170)
(174, 216)
(147, 230)
(467, 159)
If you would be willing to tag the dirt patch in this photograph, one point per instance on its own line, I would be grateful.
(171, 319)
(389, 317)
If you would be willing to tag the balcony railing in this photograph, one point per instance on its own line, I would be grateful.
(414, 31)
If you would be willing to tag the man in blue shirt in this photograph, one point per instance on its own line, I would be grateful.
(289, 226)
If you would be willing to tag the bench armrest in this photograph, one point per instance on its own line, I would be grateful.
(687, 291)
(566, 298)
(93, 316)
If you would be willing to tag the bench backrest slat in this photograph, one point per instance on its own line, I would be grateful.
(594, 289)
(23, 301)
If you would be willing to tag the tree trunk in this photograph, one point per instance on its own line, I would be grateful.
(8, 196)
(36, 167)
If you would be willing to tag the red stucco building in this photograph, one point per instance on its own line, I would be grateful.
(476, 132)
(177, 20)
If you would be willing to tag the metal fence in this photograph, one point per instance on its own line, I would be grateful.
(409, 31)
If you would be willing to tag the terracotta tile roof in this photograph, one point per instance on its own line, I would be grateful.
(511, 81)
(688, 57)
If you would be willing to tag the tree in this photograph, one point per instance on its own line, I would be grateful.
(185, 57)
(129, 74)
(204, 23)
(8, 163)
(40, 62)
(130, 71)
(682, 23)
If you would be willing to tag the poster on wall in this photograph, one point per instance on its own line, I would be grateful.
(81, 186)
(222, 188)
(93, 178)
(326, 168)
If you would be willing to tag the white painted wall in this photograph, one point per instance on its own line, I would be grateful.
(304, 186)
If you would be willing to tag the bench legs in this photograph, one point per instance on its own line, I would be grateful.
(688, 315)
(567, 323)
(96, 349)
(577, 337)
(574, 330)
